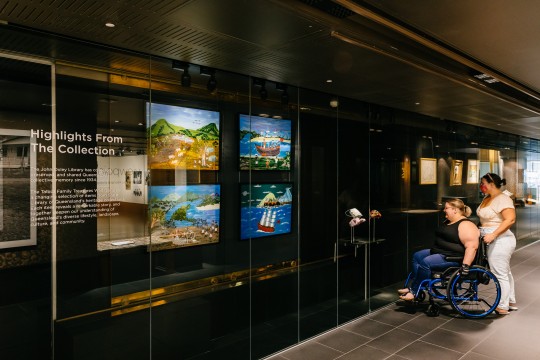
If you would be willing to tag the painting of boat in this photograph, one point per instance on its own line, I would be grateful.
(266, 209)
(268, 221)
(269, 148)
(265, 143)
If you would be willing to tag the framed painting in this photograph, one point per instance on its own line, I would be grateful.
(129, 175)
(137, 177)
(20, 213)
(472, 172)
(265, 143)
(428, 171)
(184, 215)
(456, 172)
(266, 209)
(183, 138)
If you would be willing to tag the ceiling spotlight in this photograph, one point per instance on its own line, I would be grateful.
(184, 66)
(212, 82)
(284, 95)
(285, 98)
(263, 93)
(186, 79)
(259, 82)
(179, 65)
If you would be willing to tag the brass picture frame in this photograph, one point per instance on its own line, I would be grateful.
(472, 172)
(456, 172)
(428, 171)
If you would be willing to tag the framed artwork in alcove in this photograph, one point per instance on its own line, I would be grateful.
(472, 172)
(184, 215)
(265, 143)
(456, 172)
(266, 209)
(428, 171)
(183, 138)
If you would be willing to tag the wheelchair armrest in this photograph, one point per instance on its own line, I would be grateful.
(458, 259)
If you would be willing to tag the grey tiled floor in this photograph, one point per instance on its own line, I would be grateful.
(401, 331)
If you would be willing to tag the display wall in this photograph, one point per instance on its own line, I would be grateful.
(161, 221)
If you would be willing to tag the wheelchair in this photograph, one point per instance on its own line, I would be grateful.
(474, 296)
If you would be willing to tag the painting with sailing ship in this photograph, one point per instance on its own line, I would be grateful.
(265, 209)
(265, 143)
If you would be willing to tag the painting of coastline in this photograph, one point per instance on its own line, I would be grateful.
(265, 143)
(265, 209)
(183, 138)
(184, 215)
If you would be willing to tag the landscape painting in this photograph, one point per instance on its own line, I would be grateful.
(183, 138)
(265, 209)
(265, 143)
(184, 215)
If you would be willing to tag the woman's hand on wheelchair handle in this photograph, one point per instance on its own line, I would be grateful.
(488, 238)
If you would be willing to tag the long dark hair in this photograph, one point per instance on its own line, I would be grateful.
(495, 179)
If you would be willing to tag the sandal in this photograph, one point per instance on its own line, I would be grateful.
(407, 297)
(513, 307)
(404, 291)
(501, 311)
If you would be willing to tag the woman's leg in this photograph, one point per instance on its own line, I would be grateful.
(417, 258)
(512, 296)
(499, 253)
(433, 262)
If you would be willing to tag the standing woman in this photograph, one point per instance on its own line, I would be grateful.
(497, 214)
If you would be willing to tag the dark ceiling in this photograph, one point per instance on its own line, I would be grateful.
(467, 61)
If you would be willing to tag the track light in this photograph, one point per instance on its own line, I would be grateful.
(212, 82)
(185, 80)
(259, 82)
(263, 93)
(285, 98)
(284, 95)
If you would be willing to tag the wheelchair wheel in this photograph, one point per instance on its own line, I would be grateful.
(475, 295)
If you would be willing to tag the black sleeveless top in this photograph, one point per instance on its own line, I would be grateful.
(447, 240)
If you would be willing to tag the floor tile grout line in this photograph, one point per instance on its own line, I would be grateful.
(329, 347)
(439, 346)
(394, 328)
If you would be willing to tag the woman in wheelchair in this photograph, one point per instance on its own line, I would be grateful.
(456, 237)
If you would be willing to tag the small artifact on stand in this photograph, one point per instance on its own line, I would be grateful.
(375, 214)
(357, 217)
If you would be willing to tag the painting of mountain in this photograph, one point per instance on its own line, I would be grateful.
(183, 138)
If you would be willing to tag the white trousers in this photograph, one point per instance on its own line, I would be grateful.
(499, 253)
